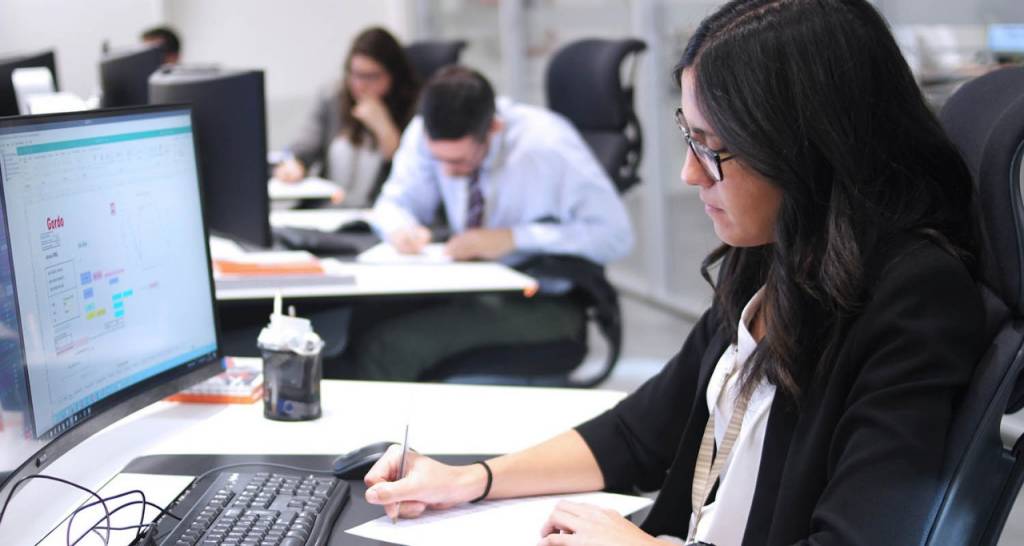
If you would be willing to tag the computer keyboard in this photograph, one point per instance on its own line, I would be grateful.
(263, 509)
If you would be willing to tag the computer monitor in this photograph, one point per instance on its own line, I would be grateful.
(1006, 41)
(8, 63)
(106, 294)
(230, 121)
(124, 75)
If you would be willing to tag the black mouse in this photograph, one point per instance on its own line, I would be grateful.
(356, 463)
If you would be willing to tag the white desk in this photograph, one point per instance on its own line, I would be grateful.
(309, 188)
(383, 280)
(328, 220)
(443, 419)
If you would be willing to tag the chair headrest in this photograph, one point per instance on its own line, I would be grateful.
(428, 56)
(584, 83)
(985, 119)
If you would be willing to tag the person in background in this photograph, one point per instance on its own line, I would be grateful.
(166, 38)
(812, 403)
(514, 181)
(356, 126)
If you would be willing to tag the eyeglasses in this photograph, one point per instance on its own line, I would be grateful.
(366, 76)
(709, 159)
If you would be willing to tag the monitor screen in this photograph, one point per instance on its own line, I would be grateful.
(1006, 38)
(106, 297)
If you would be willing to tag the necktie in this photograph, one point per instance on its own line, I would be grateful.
(475, 203)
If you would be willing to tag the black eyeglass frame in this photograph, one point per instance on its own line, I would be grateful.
(710, 160)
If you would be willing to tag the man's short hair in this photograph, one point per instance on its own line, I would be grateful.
(169, 38)
(457, 102)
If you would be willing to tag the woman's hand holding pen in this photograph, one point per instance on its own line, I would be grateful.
(290, 170)
(427, 484)
(576, 524)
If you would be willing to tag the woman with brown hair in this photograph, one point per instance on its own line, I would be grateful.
(357, 123)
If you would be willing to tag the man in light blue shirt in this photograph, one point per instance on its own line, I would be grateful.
(542, 189)
(514, 181)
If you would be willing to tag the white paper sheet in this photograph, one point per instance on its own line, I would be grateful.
(308, 188)
(512, 522)
(224, 249)
(384, 253)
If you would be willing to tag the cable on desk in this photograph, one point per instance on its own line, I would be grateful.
(71, 519)
(14, 488)
(141, 526)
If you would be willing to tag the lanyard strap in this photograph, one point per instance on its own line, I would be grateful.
(706, 472)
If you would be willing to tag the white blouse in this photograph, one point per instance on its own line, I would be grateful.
(724, 520)
(355, 169)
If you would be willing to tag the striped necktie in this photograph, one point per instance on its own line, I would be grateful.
(475, 203)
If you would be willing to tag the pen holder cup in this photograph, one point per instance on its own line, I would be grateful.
(291, 385)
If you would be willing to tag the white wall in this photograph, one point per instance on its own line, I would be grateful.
(76, 31)
(299, 45)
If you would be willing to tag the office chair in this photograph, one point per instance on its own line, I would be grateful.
(584, 84)
(985, 119)
(428, 56)
(550, 363)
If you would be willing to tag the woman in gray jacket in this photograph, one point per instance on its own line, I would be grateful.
(355, 128)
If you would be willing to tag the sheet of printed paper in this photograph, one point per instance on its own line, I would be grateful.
(511, 522)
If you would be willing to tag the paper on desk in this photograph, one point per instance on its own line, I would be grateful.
(329, 220)
(159, 489)
(511, 522)
(308, 188)
(221, 248)
(385, 254)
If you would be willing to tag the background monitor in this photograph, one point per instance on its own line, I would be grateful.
(1006, 42)
(8, 100)
(230, 120)
(124, 75)
(106, 295)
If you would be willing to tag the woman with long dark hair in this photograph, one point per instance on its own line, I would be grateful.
(811, 403)
(357, 124)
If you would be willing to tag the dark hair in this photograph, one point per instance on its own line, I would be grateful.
(379, 45)
(168, 38)
(815, 96)
(457, 102)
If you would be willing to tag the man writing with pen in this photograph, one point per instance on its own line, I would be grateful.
(514, 181)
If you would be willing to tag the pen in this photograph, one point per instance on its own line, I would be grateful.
(401, 470)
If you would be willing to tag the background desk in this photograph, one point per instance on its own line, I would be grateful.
(442, 419)
(397, 280)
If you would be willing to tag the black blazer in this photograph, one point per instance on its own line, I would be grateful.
(858, 460)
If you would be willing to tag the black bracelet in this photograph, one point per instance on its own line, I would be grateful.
(490, 479)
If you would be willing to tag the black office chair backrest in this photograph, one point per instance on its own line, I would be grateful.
(428, 56)
(985, 119)
(584, 83)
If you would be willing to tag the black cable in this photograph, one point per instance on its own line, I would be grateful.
(164, 510)
(114, 511)
(71, 520)
(10, 495)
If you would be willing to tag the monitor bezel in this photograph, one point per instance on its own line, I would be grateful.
(125, 402)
